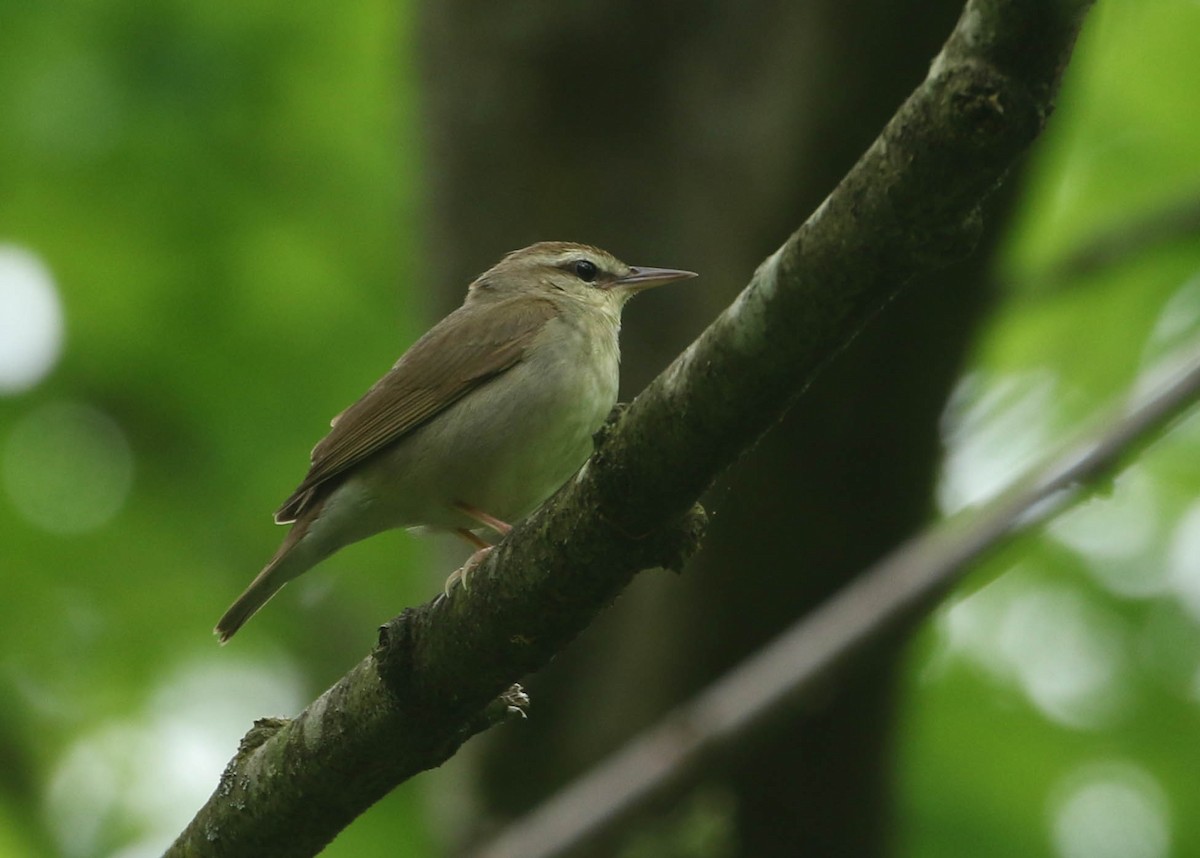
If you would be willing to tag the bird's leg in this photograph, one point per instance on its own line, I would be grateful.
(460, 575)
(501, 527)
(470, 537)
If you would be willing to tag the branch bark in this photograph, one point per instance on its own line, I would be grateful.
(911, 204)
(780, 678)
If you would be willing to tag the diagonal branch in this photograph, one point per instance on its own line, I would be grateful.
(670, 757)
(910, 205)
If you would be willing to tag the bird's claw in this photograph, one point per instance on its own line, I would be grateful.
(462, 574)
(516, 702)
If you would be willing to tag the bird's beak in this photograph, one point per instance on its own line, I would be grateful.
(645, 278)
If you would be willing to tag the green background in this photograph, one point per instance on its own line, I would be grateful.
(228, 201)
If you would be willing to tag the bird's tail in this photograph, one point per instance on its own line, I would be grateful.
(289, 561)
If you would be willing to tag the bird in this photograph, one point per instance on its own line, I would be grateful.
(479, 421)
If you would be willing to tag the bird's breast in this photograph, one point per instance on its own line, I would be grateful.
(509, 444)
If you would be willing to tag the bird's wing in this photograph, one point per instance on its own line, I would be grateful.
(468, 348)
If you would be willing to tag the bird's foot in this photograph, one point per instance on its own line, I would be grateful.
(462, 574)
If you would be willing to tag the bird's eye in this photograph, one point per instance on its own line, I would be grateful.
(586, 270)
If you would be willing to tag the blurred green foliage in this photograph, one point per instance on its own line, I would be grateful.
(1053, 703)
(227, 199)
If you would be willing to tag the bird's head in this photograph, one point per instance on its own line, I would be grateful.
(563, 269)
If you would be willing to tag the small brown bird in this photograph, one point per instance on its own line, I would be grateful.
(480, 421)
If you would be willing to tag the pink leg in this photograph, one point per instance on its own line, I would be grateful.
(472, 538)
(501, 527)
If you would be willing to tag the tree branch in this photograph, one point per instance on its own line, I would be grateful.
(668, 758)
(911, 204)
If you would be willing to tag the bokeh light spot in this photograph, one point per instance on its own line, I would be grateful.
(67, 467)
(1176, 325)
(1111, 810)
(1183, 560)
(1117, 533)
(994, 429)
(1065, 653)
(137, 782)
(31, 323)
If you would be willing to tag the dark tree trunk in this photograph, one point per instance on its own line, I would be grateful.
(698, 136)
